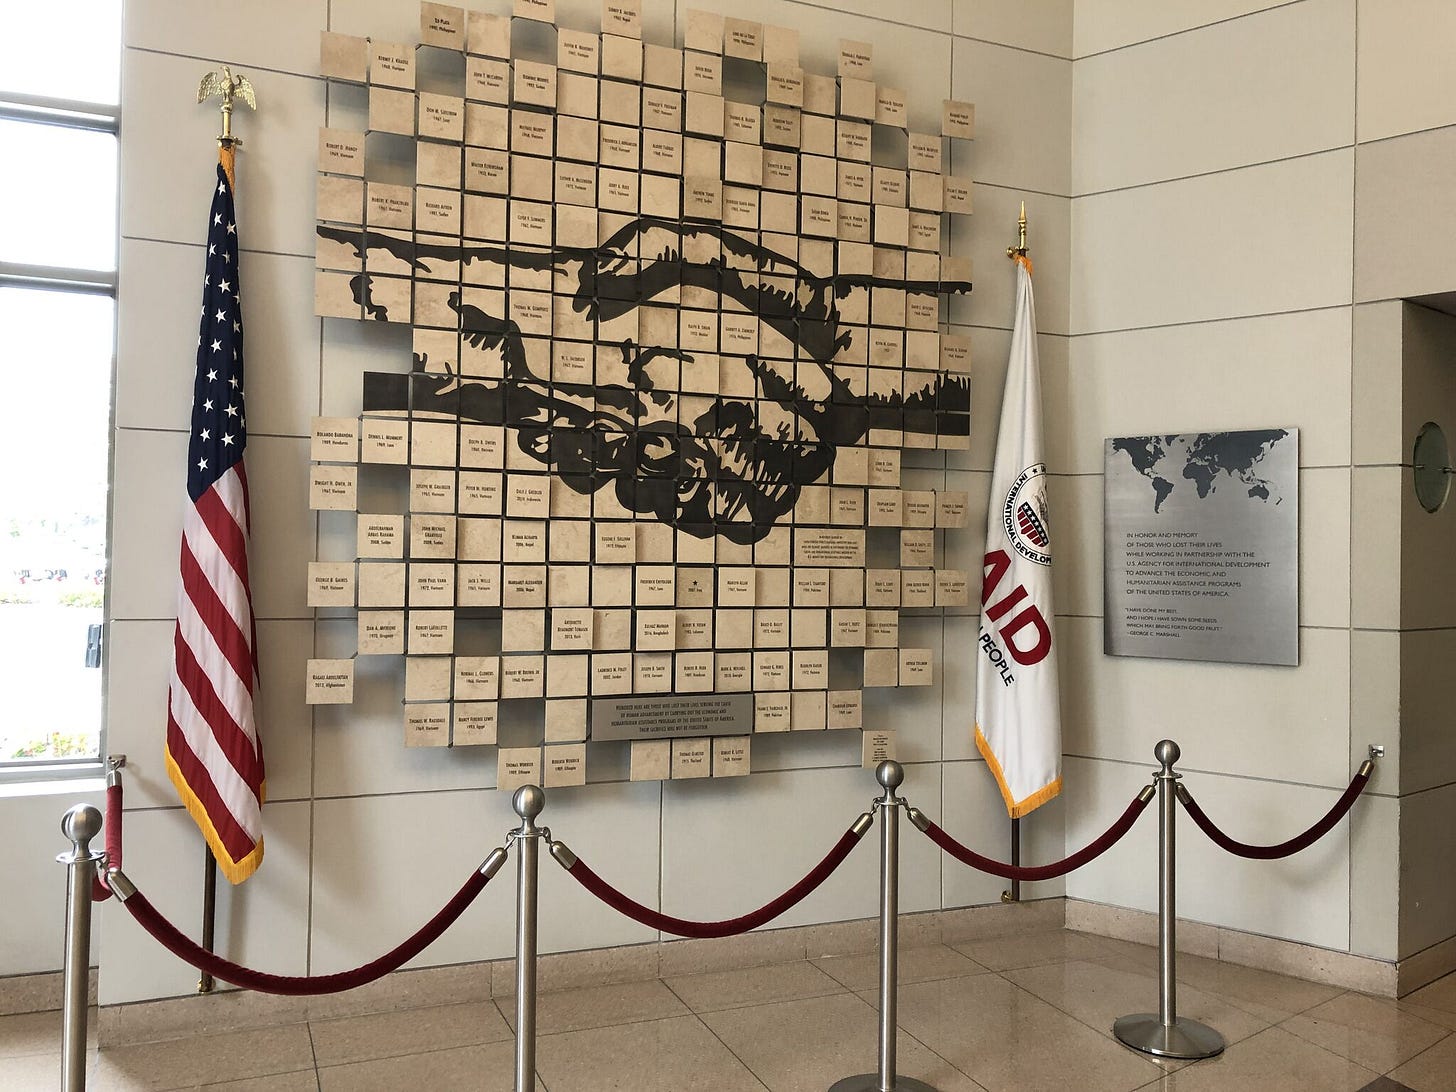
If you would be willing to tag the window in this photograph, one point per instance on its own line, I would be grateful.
(58, 246)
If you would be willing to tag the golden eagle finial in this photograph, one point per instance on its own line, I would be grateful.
(221, 83)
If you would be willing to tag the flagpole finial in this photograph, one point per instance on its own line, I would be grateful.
(1019, 250)
(221, 83)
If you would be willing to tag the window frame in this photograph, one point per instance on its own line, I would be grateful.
(98, 118)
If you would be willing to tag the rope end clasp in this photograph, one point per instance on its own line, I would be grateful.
(120, 886)
(1377, 750)
(492, 864)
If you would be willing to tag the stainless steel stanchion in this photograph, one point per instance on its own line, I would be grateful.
(80, 825)
(890, 775)
(528, 802)
(1165, 1033)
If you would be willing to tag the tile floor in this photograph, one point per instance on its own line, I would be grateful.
(1031, 1011)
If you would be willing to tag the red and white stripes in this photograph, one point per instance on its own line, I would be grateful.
(212, 741)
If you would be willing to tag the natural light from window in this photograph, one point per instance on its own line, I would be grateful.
(58, 258)
(69, 51)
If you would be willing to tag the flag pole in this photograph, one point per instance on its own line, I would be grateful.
(1014, 893)
(220, 84)
(209, 910)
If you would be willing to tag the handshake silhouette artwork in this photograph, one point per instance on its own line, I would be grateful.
(703, 376)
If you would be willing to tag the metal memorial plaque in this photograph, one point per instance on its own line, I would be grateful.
(665, 717)
(1201, 535)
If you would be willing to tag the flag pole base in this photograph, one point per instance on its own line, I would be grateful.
(1184, 1038)
(870, 1082)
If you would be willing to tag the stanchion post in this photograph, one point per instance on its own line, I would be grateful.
(890, 775)
(1165, 1033)
(528, 802)
(81, 824)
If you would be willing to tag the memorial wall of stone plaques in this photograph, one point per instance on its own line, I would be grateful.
(676, 314)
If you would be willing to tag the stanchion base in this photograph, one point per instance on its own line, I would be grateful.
(870, 1082)
(1185, 1038)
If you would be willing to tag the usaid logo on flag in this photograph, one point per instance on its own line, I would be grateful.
(1024, 516)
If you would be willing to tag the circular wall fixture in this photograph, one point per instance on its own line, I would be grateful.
(1432, 463)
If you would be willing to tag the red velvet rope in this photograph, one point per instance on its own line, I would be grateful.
(170, 937)
(732, 926)
(112, 833)
(1094, 849)
(1283, 849)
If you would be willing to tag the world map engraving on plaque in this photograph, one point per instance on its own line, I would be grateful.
(1206, 460)
(676, 314)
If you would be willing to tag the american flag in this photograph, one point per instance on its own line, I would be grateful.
(214, 756)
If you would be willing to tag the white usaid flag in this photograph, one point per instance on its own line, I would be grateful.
(1018, 714)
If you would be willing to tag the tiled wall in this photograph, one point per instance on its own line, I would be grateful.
(1222, 238)
(1243, 226)
(365, 839)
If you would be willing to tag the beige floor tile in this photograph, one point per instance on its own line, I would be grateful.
(674, 1055)
(1440, 994)
(577, 970)
(1274, 997)
(1272, 1060)
(1439, 1017)
(1271, 997)
(1006, 1038)
(839, 938)
(1141, 958)
(1373, 1031)
(487, 1068)
(1097, 995)
(580, 969)
(862, 972)
(41, 1072)
(185, 1063)
(416, 988)
(1032, 949)
(1129, 955)
(1433, 1070)
(35, 993)
(598, 1006)
(968, 923)
(805, 1046)
(37, 1033)
(304, 1081)
(757, 949)
(756, 986)
(1043, 1022)
(411, 1031)
(194, 1016)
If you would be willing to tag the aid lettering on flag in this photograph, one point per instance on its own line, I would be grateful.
(1018, 711)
